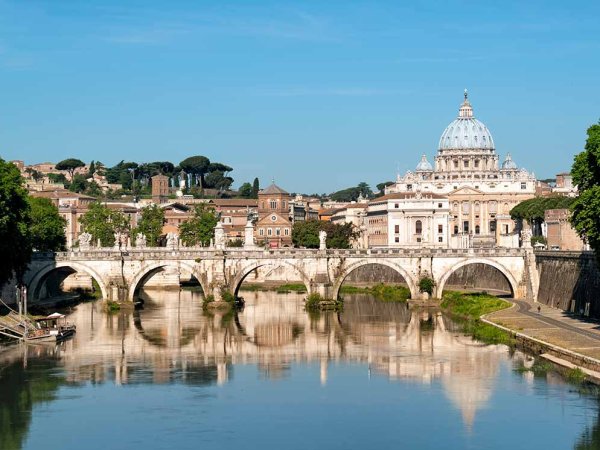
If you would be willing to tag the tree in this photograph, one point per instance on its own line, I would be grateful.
(245, 190)
(196, 165)
(91, 170)
(200, 229)
(15, 218)
(57, 178)
(102, 223)
(365, 190)
(78, 184)
(381, 186)
(70, 165)
(306, 234)
(47, 228)
(151, 224)
(35, 174)
(255, 188)
(218, 180)
(585, 209)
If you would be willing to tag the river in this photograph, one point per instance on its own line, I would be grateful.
(377, 375)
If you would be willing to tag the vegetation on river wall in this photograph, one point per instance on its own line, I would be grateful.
(383, 292)
(468, 308)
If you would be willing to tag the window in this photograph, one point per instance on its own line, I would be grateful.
(269, 232)
(396, 228)
(465, 226)
(396, 239)
(523, 185)
(505, 227)
(396, 205)
(476, 163)
(409, 187)
(286, 231)
(278, 231)
(455, 229)
(493, 207)
(273, 204)
(492, 226)
(261, 232)
(273, 218)
(465, 207)
(466, 163)
(419, 239)
(456, 163)
(476, 229)
(440, 228)
(283, 204)
(440, 239)
(418, 227)
(439, 205)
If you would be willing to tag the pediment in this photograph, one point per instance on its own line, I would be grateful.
(466, 190)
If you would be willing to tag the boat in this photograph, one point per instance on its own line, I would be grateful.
(53, 328)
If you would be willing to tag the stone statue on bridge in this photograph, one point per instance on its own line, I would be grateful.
(140, 240)
(220, 238)
(526, 237)
(85, 241)
(172, 240)
(249, 235)
(322, 240)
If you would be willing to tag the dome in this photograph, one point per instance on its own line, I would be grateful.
(466, 132)
(509, 163)
(424, 165)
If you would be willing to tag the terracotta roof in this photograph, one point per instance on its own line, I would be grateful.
(329, 212)
(244, 202)
(273, 189)
(61, 194)
(356, 206)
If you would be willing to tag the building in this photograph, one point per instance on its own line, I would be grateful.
(354, 213)
(274, 227)
(480, 192)
(234, 213)
(408, 219)
(560, 235)
(160, 189)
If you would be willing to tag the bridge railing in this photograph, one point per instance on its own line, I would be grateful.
(192, 253)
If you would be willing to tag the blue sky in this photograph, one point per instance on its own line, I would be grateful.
(319, 95)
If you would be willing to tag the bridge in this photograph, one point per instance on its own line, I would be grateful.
(119, 273)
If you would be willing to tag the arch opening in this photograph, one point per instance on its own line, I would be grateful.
(364, 277)
(66, 282)
(282, 278)
(479, 277)
(165, 277)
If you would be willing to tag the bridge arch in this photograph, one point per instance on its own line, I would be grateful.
(35, 284)
(339, 280)
(239, 278)
(150, 269)
(514, 285)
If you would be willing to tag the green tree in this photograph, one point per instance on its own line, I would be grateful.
(364, 190)
(245, 190)
(196, 165)
(35, 174)
(78, 184)
(70, 165)
(585, 209)
(306, 234)
(57, 178)
(381, 186)
(151, 224)
(47, 228)
(102, 223)
(218, 180)
(200, 229)
(15, 218)
(255, 188)
(92, 169)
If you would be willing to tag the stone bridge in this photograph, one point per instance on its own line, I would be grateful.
(120, 273)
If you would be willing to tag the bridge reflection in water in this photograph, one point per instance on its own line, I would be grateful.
(173, 340)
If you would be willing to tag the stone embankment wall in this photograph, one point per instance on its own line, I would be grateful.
(569, 281)
(478, 277)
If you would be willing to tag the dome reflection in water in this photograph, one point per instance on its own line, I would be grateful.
(376, 373)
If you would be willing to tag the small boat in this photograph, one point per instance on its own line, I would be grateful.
(51, 328)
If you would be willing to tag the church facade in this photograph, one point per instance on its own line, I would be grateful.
(480, 191)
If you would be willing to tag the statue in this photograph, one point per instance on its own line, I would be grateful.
(140, 240)
(85, 240)
(220, 236)
(249, 234)
(172, 240)
(322, 240)
(117, 241)
(526, 238)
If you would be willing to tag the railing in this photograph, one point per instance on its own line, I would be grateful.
(193, 253)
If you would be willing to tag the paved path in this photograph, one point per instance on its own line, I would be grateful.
(553, 326)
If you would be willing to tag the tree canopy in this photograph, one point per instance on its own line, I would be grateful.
(70, 165)
(15, 219)
(200, 229)
(585, 209)
(102, 223)
(245, 190)
(151, 224)
(351, 194)
(306, 234)
(47, 228)
(532, 210)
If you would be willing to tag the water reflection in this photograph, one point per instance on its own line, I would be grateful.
(172, 340)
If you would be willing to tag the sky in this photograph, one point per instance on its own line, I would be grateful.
(318, 96)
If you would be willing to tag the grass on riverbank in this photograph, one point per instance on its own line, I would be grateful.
(281, 289)
(470, 307)
(383, 292)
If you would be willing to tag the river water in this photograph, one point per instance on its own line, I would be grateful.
(377, 375)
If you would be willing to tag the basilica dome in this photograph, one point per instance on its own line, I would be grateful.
(424, 165)
(508, 163)
(466, 132)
